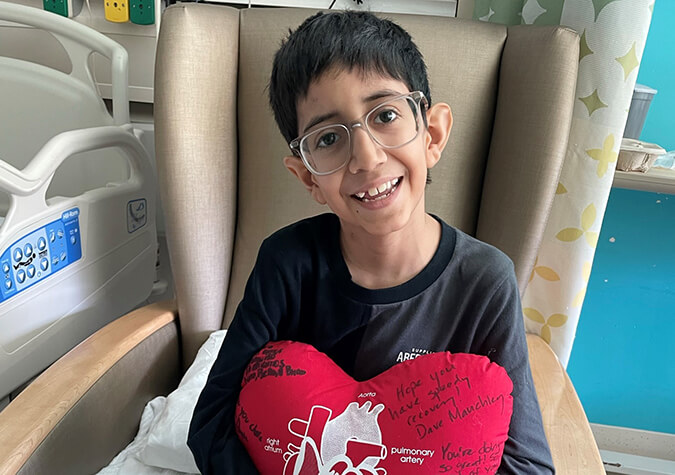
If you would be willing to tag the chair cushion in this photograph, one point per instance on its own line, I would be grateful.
(298, 412)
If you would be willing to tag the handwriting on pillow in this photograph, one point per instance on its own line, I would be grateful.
(439, 413)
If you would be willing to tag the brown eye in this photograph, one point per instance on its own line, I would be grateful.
(386, 116)
(327, 139)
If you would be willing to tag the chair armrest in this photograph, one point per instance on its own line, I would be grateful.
(569, 435)
(81, 411)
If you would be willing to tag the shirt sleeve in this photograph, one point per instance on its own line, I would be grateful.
(526, 450)
(212, 436)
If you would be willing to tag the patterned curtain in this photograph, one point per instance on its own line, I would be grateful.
(613, 35)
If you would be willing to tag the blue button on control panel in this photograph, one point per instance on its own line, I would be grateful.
(40, 254)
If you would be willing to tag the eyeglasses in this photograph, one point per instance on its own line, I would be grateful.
(392, 124)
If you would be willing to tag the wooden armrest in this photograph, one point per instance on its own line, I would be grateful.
(567, 429)
(30, 418)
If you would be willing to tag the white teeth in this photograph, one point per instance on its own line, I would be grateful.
(377, 190)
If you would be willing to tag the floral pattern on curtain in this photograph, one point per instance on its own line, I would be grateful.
(613, 35)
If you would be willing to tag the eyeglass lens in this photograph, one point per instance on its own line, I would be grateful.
(391, 125)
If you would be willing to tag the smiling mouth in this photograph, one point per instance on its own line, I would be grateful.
(378, 193)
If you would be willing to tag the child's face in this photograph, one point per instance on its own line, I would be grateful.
(342, 98)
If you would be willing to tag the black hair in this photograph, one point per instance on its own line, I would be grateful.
(349, 40)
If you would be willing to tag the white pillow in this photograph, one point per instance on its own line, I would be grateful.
(167, 440)
(126, 462)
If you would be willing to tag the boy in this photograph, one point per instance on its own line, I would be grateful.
(379, 277)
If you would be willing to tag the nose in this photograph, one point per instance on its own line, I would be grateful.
(366, 155)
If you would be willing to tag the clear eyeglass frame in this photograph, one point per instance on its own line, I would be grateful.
(418, 99)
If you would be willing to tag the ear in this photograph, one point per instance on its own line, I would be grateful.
(439, 124)
(298, 169)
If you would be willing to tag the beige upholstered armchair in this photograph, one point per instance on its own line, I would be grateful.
(224, 188)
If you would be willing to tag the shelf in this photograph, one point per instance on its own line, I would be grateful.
(658, 180)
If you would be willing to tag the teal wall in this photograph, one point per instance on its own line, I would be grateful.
(622, 359)
(622, 362)
(658, 71)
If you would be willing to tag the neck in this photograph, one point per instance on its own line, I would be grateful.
(378, 262)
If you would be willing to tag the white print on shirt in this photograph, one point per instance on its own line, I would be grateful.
(349, 443)
(414, 353)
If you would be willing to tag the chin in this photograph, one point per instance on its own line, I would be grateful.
(383, 226)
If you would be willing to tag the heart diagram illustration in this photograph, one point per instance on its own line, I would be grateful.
(300, 414)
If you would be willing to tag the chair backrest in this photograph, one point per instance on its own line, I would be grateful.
(224, 186)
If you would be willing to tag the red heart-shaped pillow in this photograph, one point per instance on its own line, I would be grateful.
(300, 414)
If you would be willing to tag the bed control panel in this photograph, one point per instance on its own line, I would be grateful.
(40, 253)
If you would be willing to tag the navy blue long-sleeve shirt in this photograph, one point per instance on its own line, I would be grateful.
(465, 300)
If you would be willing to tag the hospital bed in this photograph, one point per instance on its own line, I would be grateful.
(77, 228)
